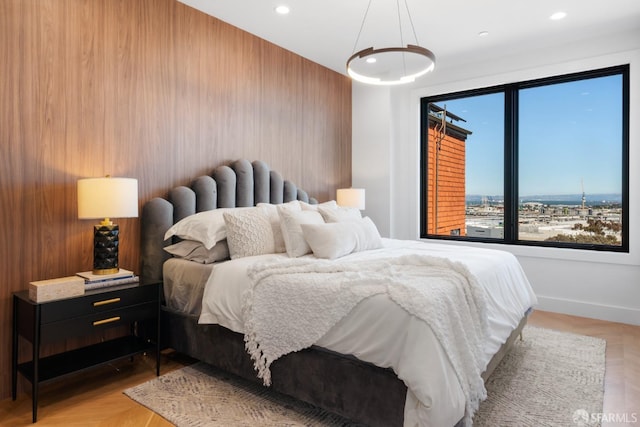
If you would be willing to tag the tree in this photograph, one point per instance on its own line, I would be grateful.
(596, 239)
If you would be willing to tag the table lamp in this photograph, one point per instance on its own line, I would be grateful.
(350, 197)
(107, 198)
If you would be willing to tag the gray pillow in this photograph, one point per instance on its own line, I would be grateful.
(195, 251)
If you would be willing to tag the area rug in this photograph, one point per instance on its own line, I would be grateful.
(548, 379)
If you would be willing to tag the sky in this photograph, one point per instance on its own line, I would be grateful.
(570, 135)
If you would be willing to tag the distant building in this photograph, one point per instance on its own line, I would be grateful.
(445, 198)
(485, 231)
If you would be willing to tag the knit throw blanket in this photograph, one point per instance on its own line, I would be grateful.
(292, 304)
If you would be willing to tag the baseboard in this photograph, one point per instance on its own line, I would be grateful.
(594, 311)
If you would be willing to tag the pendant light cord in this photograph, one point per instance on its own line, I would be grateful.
(406, 6)
(404, 61)
(364, 18)
(413, 28)
(415, 36)
(400, 22)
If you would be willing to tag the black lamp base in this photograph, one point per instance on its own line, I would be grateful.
(105, 249)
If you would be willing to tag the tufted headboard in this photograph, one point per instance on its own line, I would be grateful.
(239, 185)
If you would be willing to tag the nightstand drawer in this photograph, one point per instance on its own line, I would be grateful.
(97, 302)
(86, 325)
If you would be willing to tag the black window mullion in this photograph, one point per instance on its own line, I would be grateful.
(625, 158)
(511, 164)
(424, 164)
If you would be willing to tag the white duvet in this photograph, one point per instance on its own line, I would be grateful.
(379, 331)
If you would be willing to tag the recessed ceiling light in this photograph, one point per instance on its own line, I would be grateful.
(557, 16)
(282, 9)
(371, 60)
(483, 33)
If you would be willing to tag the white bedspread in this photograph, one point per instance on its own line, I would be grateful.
(381, 331)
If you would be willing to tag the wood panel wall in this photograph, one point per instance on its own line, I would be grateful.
(149, 89)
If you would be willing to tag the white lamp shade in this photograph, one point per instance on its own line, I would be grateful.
(107, 198)
(351, 197)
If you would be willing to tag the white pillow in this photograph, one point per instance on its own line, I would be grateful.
(195, 251)
(249, 232)
(309, 207)
(206, 227)
(339, 213)
(290, 222)
(274, 219)
(336, 239)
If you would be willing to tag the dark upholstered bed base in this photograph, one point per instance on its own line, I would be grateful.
(339, 383)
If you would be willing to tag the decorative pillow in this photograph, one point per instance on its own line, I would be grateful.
(249, 232)
(195, 251)
(274, 219)
(336, 239)
(309, 207)
(207, 227)
(339, 213)
(296, 205)
(290, 222)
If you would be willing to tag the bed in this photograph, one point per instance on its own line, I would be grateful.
(371, 355)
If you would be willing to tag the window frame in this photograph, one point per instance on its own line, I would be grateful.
(511, 159)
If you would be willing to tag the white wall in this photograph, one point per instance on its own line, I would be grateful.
(386, 150)
(373, 168)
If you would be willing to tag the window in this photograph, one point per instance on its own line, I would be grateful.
(541, 163)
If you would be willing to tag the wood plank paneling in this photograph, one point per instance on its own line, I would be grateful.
(149, 89)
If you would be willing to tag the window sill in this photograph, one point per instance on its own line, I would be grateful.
(562, 254)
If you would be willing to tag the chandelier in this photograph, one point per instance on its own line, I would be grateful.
(390, 65)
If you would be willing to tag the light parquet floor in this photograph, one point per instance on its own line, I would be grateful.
(95, 398)
(622, 372)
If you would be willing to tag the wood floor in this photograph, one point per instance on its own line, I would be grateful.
(95, 398)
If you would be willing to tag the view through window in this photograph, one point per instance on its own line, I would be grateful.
(540, 163)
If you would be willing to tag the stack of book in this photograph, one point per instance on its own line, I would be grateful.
(94, 281)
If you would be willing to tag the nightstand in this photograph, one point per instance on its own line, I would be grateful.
(96, 310)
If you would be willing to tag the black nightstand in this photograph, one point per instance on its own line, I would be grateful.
(96, 310)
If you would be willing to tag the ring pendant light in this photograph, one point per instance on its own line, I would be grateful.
(390, 65)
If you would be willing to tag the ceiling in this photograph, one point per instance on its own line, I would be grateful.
(325, 31)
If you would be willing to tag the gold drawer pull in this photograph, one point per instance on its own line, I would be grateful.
(105, 302)
(103, 321)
